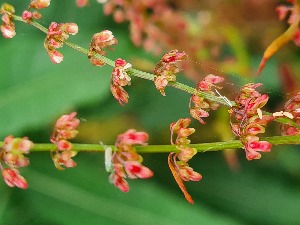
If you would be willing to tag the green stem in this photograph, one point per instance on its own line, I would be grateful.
(133, 72)
(204, 147)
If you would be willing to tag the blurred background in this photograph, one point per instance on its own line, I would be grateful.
(226, 38)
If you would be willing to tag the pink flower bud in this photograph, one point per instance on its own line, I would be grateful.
(187, 173)
(81, 3)
(137, 170)
(13, 178)
(132, 137)
(39, 4)
(55, 56)
(25, 145)
(213, 79)
(282, 11)
(6, 19)
(8, 31)
(119, 182)
(72, 28)
(36, 15)
(120, 62)
(64, 145)
(174, 56)
(253, 146)
(26, 15)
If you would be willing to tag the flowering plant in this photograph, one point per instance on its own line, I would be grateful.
(247, 112)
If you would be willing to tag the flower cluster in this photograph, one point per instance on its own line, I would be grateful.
(293, 108)
(7, 27)
(198, 106)
(180, 168)
(293, 13)
(126, 162)
(119, 79)
(12, 153)
(250, 121)
(64, 130)
(57, 34)
(166, 69)
(101, 40)
(35, 4)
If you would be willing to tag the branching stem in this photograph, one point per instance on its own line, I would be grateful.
(133, 72)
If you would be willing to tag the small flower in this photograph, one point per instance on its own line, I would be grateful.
(55, 56)
(13, 151)
(39, 4)
(119, 74)
(8, 31)
(82, 3)
(13, 178)
(253, 146)
(26, 15)
(101, 40)
(119, 182)
(135, 169)
(132, 137)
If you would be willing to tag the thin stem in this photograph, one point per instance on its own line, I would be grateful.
(133, 72)
(203, 147)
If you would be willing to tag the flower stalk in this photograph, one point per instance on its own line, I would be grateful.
(203, 147)
(131, 71)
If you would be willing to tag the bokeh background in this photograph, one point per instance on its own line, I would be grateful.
(34, 93)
